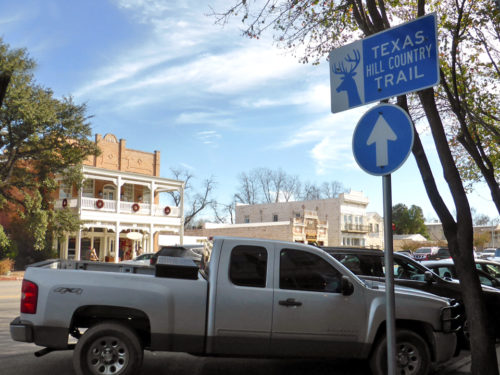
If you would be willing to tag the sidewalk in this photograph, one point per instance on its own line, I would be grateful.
(460, 365)
(16, 275)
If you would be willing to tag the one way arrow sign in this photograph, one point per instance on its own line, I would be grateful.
(383, 139)
(380, 135)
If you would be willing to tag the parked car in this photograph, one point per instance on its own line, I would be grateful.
(143, 259)
(194, 252)
(369, 265)
(489, 266)
(446, 269)
(250, 297)
(434, 252)
(490, 252)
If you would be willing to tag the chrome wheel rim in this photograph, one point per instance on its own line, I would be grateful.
(408, 359)
(107, 356)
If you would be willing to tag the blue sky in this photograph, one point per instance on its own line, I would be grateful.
(161, 75)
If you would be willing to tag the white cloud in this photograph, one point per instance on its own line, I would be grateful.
(208, 137)
(331, 139)
(219, 119)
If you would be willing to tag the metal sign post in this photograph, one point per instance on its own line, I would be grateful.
(390, 303)
(381, 143)
(393, 62)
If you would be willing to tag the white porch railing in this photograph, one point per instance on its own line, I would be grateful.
(133, 208)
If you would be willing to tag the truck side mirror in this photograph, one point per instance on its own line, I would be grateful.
(347, 287)
(428, 277)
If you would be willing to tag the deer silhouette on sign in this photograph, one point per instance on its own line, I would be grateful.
(347, 76)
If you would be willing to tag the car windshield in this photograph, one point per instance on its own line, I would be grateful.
(423, 250)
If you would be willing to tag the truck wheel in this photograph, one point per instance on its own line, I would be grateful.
(108, 349)
(412, 355)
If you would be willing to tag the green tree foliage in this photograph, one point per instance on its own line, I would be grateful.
(409, 220)
(41, 137)
(5, 245)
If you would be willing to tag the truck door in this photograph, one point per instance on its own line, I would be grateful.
(244, 299)
(311, 316)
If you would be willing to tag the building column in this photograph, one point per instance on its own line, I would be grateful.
(78, 245)
(117, 242)
(181, 208)
(151, 239)
(64, 247)
(118, 194)
(152, 195)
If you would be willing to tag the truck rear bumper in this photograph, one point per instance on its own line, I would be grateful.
(51, 337)
(21, 331)
(444, 345)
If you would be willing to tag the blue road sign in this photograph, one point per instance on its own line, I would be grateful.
(393, 62)
(383, 139)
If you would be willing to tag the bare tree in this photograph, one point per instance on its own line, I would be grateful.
(291, 188)
(332, 189)
(311, 192)
(224, 213)
(194, 203)
(247, 191)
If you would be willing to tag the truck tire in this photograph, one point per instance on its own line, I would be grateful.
(108, 348)
(412, 355)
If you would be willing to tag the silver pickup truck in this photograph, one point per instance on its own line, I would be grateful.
(248, 297)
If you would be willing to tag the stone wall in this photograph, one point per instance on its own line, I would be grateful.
(272, 231)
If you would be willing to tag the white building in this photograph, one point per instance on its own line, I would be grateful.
(345, 217)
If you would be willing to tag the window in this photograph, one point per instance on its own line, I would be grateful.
(108, 192)
(146, 195)
(300, 270)
(408, 271)
(64, 191)
(127, 193)
(246, 219)
(88, 189)
(275, 217)
(248, 266)
(376, 228)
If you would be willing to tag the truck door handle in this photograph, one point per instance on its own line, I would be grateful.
(290, 302)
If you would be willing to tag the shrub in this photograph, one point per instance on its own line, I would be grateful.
(6, 265)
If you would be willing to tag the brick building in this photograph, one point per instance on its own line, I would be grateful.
(119, 203)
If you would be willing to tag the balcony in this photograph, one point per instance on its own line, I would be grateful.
(355, 228)
(110, 206)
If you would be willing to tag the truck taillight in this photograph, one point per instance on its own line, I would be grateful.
(29, 297)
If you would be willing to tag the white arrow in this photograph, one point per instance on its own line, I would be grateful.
(380, 135)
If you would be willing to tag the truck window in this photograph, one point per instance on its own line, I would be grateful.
(248, 266)
(300, 270)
